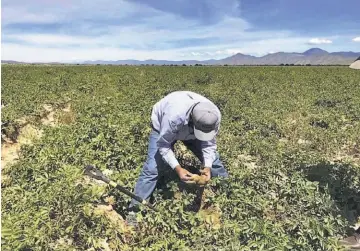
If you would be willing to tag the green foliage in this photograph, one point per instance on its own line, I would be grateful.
(282, 130)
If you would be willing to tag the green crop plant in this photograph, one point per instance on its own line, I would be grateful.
(290, 139)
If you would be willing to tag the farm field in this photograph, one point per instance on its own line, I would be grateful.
(290, 139)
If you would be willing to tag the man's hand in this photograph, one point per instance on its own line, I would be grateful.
(184, 175)
(207, 173)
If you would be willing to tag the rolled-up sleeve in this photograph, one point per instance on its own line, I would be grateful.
(209, 152)
(168, 131)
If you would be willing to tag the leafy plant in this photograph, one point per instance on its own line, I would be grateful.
(289, 139)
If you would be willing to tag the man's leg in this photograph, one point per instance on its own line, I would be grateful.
(148, 177)
(217, 169)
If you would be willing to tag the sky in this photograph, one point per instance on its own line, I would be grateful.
(79, 30)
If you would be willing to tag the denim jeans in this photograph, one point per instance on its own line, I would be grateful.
(154, 165)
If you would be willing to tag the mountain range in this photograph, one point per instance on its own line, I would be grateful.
(313, 56)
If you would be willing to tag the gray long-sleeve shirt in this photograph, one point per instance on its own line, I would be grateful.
(170, 117)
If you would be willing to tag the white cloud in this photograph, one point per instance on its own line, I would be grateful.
(319, 41)
(356, 39)
(196, 53)
(222, 53)
(137, 41)
(17, 15)
(22, 11)
(127, 30)
(90, 51)
(232, 51)
(45, 39)
(33, 54)
(141, 28)
(259, 47)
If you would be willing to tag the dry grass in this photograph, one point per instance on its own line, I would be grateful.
(246, 160)
(211, 217)
(66, 116)
(349, 153)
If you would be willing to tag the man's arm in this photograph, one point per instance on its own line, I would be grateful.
(209, 156)
(168, 131)
(209, 152)
(209, 148)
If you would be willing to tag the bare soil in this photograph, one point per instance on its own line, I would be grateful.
(29, 133)
(10, 150)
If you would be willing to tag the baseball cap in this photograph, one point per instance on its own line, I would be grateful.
(206, 118)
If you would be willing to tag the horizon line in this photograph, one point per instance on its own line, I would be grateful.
(176, 60)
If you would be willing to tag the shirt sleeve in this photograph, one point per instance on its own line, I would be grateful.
(169, 129)
(209, 150)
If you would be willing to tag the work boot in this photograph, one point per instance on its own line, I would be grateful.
(352, 242)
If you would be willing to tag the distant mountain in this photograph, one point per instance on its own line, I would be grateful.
(315, 51)
(19, 62)
(313, 56)
(139, 62)
(346, 54)
(10, 62)
(238, 59)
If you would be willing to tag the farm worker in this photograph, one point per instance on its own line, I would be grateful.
(185, 116)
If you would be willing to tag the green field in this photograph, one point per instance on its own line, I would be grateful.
(290, 138)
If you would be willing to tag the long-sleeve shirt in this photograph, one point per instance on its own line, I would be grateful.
(170, 117)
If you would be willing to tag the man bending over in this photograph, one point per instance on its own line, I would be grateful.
(185, 116)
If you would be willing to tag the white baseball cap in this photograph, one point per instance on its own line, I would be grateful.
(206, 119)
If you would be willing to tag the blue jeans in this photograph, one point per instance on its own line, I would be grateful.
(154, 165)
